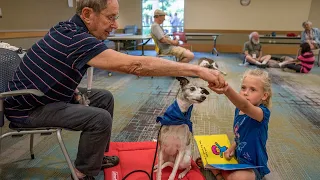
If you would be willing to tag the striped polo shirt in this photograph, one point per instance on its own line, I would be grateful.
(54, 65)
(307, 60)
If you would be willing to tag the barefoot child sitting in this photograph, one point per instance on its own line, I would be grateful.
(250, 125)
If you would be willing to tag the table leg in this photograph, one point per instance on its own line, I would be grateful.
(214, 45)
(118, 46)
(142, 50)
(89, 79)
(143, 44)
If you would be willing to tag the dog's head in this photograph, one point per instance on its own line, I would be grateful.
(209, 63)
(191, 92)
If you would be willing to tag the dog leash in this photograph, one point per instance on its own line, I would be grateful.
(150, 176)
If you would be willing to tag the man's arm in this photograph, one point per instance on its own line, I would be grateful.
(167, 40)
(152, 66)
(317, 36)
(260, 55)
(246, 53)
(246, 49)
(159, 34)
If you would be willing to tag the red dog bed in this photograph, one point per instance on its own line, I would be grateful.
(139, 156)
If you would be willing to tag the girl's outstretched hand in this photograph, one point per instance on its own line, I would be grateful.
(218, 90)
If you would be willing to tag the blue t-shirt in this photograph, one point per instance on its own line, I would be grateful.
(251, 138)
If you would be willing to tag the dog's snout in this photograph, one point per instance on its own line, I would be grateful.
(203, 98)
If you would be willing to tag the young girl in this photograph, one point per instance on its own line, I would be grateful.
(305, 60)
(250, 125)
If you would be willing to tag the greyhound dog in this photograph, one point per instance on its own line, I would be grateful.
(176, 133)
(209, 63)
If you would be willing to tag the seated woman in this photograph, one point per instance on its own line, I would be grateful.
(304, 62)
(310, 35)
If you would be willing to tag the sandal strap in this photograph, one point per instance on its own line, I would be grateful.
(218, 174)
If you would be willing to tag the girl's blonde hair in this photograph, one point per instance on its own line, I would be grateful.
(264, 76)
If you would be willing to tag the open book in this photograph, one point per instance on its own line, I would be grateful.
(212, 148)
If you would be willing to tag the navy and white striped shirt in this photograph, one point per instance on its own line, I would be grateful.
(54, 65)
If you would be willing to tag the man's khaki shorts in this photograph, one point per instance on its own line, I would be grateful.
(177, 51)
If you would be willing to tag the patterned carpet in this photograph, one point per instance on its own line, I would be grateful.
(294, 129)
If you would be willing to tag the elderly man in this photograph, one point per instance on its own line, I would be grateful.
(253, 51)
(310, 35)
(167, 45)
(56, 64)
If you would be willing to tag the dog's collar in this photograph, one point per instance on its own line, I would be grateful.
(174, 116)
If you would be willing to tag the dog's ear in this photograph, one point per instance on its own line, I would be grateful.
(183, 81)
(203, 90)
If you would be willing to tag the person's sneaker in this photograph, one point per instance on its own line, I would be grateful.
(109, 161)
(244, 64)
(85, 178)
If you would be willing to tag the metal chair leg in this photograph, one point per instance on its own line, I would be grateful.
(0, 139)
(66, 155)
(31, 146)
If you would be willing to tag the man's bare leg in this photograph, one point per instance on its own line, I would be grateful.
(187, 56)
(288, 60)
(265, 59)
(252, 60)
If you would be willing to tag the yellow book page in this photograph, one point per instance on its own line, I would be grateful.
(211, 148)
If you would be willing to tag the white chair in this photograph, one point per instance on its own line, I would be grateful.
(9, 61)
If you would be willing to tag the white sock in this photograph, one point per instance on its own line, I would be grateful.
(281, 64)
(265, 61)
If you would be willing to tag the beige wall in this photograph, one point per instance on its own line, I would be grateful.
(200, 14)
(43, 14)
(259, 15)
(33, 14)
(314, 15)
(130, 13)
(267, 15)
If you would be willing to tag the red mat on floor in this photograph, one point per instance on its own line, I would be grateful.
(139, 156)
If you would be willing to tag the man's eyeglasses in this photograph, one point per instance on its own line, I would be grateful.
(111, 18)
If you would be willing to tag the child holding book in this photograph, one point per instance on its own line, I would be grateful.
(250, 125)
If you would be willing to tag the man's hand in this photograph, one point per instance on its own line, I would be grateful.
(218, 90)
(176, 42)
(213, 77)
(228, 154)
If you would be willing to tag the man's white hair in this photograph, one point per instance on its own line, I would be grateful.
(306, 22)
(253, 33)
